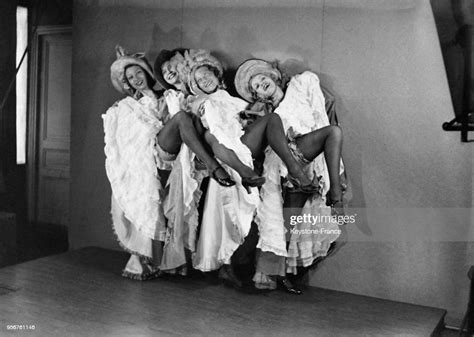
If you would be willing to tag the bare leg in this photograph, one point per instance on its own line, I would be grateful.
(268, 130)
(329, 140)
(181, 129)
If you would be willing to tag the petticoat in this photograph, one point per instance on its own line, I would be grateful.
(228, 211)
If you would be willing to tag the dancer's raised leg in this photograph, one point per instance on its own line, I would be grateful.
(268, 130)
(329, 140)
(180, 128)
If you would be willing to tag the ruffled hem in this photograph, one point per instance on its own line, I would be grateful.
(147, 259)
(307, 254)
(181, 270)
(263, 281)
(293, 264)
(142, 277)
(124, 245)
(213, 263)
(164, 160)
(264, 247)
(225, 255)
(306, 247)
(139, 269)
(208, 265)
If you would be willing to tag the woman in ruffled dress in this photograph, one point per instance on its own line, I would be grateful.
(143, 135)
(300, 104)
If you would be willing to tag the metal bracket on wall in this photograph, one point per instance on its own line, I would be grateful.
(466, 125)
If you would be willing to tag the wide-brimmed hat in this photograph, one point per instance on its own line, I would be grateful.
(247, 70)
(163, 56)
(117, 69)
(197, 58)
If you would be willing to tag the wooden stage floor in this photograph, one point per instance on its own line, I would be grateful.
(81, 293)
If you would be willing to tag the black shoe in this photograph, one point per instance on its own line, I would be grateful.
(226, 182)
(227, 276)
(285, 285)
(248, 182)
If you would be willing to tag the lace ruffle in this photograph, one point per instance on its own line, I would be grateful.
(131, 166)
(269, 218)
(181, 209)
(263, 281)
(305, 248)
(140, 269)
(128, 237)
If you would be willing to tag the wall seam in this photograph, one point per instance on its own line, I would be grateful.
(182, 24)
(322, 38)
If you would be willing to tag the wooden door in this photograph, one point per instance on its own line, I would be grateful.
(49, 197)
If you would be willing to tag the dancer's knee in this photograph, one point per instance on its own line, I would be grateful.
(274, 117)
(181, 117)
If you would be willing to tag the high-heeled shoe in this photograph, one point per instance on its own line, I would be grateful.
(284, 284)
(298, 187)
(228, 277)
(226, 182)
(256, 181)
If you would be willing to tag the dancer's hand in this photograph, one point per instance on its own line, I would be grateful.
(172, 101)
(196, 104)
(245, 114)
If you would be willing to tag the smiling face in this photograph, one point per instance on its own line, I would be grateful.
(170, 72)
(136, 77)
(263, 86)
(206, 79)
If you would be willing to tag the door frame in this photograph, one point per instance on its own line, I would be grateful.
(32, 124)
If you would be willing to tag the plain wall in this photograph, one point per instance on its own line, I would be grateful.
(382, 59)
